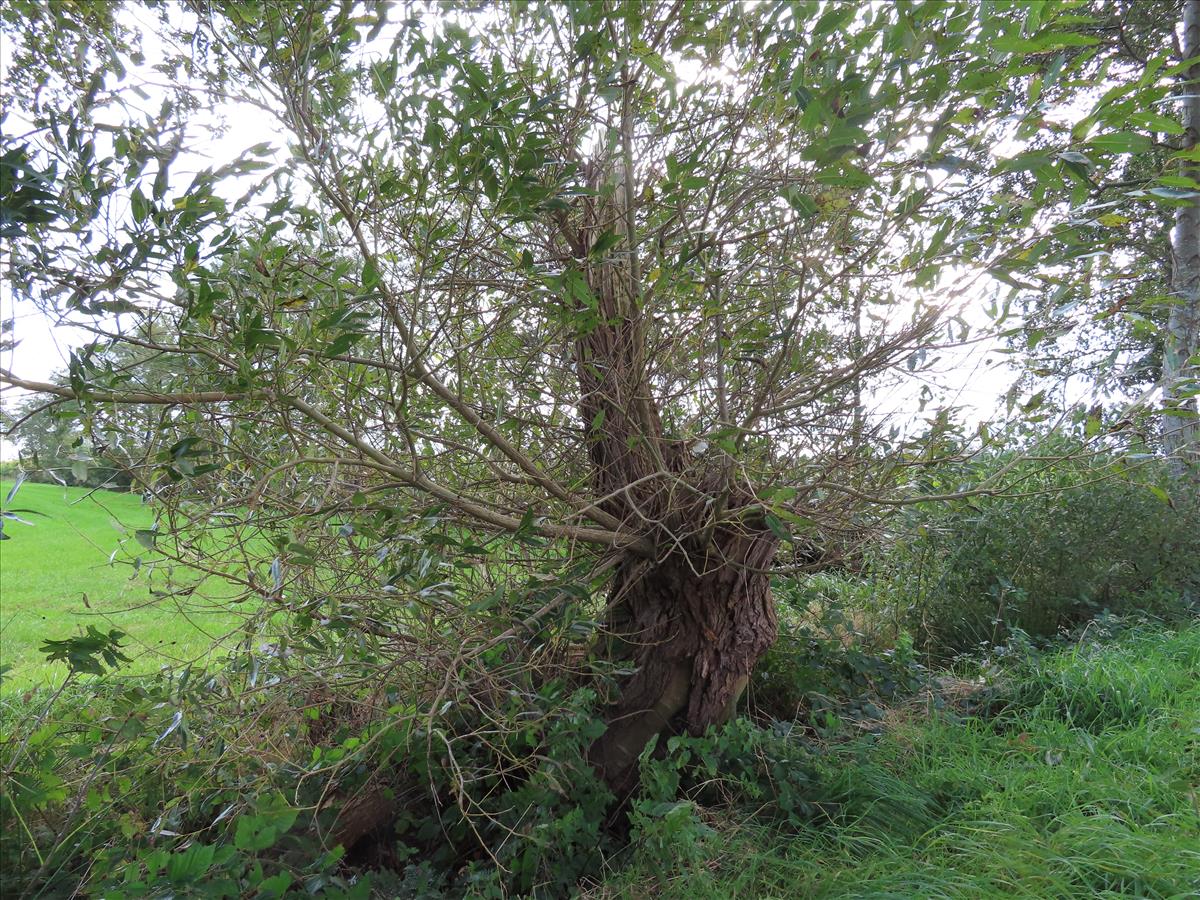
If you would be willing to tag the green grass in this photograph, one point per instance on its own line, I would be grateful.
(56, 578)
(1087, 785)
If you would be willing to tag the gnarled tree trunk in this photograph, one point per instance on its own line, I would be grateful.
(695, 619)
(693, 627)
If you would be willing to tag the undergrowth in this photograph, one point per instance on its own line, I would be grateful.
(1083, 783)
(1070, 773)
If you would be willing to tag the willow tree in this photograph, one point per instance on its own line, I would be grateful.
(610, 278)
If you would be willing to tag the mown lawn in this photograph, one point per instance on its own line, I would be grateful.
(59, 574)
(1084, 783)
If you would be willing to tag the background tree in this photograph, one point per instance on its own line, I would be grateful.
(1107, 315)
(1181, 354)
(62, 440)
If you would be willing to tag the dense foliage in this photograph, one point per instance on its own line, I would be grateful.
(509, 388)
(1080, 534)
(1088, 744)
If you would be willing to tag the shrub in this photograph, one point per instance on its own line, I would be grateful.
(834, 652)
(132, 788)
(1071, 540)
(122, 789)
(147, 787)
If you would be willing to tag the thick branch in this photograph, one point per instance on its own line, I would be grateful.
(132, 397)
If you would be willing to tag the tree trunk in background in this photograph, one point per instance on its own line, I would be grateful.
(1181, 350)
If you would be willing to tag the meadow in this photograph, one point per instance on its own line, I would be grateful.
(75, 561)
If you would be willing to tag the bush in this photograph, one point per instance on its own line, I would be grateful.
(143, 788)
(122, 789)
(773, 770)
(131, 788)
(1069, 541)
(834, 653)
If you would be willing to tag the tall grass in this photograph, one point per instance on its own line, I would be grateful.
(1084, 785)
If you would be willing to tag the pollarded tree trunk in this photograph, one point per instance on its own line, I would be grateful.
(695, 619)
(693, 628)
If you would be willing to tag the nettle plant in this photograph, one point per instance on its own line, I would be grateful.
(539, 341)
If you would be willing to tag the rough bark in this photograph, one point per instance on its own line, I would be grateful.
(693, 621)
(693, 628)
(1181, 417)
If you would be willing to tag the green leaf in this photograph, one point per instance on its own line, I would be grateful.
(1120, 142)
(802, 202)
(341, 343)
(1160, 494)
(12, 491)
(253, 834)
(185, 447)
(780, 494)
(1177, 196)
(88, 652)
(276, 885)
(777, 527)
(1074, 156)
(139, 205)
(260, 830)
(1044, 42)
(1028, 161)
(370, 277)
(605, 242)
(188, 865)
